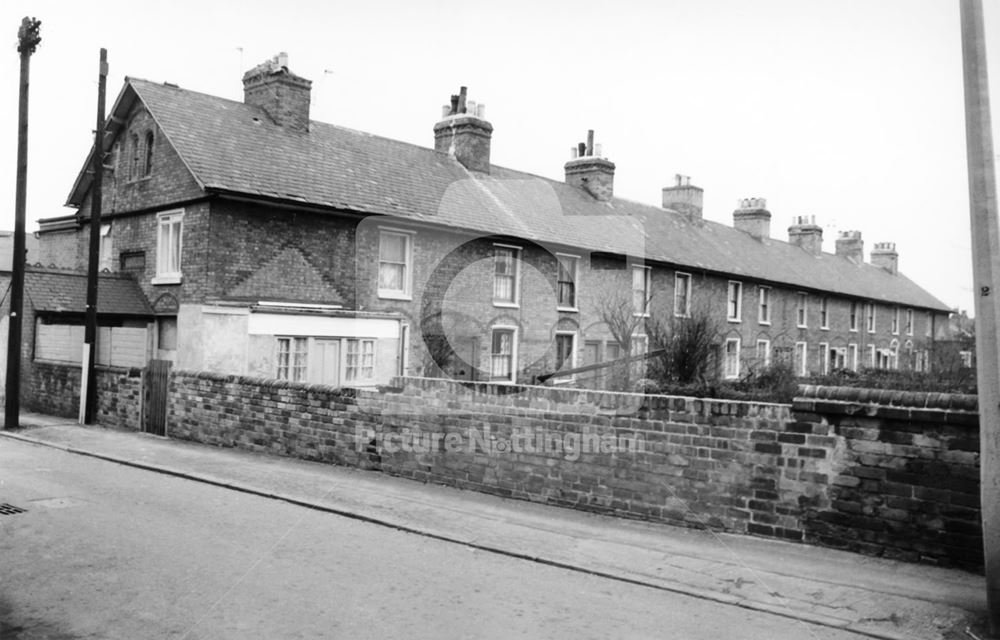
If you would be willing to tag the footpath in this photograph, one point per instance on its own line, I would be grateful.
(870, 596)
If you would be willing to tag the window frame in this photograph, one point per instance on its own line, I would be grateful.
(894, 321)
(824, 357)
(767, 351)
(647, 272)
(871, 317)
(737, 315)
(824, 313)
(802, 310)
(686, 277)
(513, 330)
(406, 293)
(573, 335)
(106, 248)
(147, 153)
(575, 282)
(515, 251)
(291, 368)
(909, 322)
(763, 305)
(735, 374)
(167, 219)
(871, 356)
(804, 360)
(360, 356)
(852, 316)
(852, 356)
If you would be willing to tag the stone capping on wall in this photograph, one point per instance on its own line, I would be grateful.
(100, 367)
(947, 408)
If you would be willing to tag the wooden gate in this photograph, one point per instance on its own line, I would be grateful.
(154, 401)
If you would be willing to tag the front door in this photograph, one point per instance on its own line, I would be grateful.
(591, 354)
(327, 363)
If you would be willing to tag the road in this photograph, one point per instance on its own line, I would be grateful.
(108, 551)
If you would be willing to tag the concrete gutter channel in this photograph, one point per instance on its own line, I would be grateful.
(868, 596)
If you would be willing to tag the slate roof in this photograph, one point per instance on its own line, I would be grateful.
(60, 291)
(231, 147)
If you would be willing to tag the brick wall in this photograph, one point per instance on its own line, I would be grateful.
(862, 473)
(54, 389)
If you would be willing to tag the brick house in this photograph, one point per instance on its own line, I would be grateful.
(270, 244)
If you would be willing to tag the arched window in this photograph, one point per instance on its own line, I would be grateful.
(133, 171)
(147, 165)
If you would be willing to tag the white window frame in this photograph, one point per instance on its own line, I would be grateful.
(735, 287)
(839, 355)
(647, 284)
(763, 304)
(894, 325)
(871, 356)
(852, 316)
(165, 221)
(802, 352)
(575, 275)
(767, 351)
(360, 366)
(404, 348)
(824, 313)
(870, 317)
(824, 358)
(909, 322)
(516, 285)
(735, 373)
(291, 369)
(406, 293)
(679, 277)
(852, 356)
(106, 250)
(572, 356)
(802, 310)
(513, 355)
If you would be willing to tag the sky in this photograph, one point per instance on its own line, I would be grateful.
(847, 110)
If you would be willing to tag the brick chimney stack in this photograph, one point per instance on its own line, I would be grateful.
(283, 95)
(751, 216)
(464, 133)
(589, 171)
(884, 255)
(805, 233)
(684, 197)
(851, 246)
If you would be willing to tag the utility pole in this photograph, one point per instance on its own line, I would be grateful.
(986, 274)
(89, 385)
(28, 38)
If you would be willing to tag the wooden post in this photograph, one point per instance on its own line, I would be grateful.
(90, 328)
(28, 39)
(986, 276)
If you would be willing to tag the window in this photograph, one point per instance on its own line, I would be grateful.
(966, 357)
(292, 359)
(640, 290)
(502, 354)
(801, 353)
(871, 356)
(801, 315)
(734, 301)
(135, 158)
(852, 356)
(682, 294)
(505, 272)
(105, 262)
(838, 358)
(404, 349)
(763, 353)
(893, 355)
(929, 327)
(764, 307)
(147, 163)
(565, 354)
(566, 282)
(824, 358)
(824, 315)
(852, 324)
(168, 247)
(133, 262)
(395, 257)
(894, 324)
(909, 322)
(731, 358)
(360, 362)
(870, 317)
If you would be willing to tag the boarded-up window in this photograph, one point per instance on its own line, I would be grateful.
(116, 346)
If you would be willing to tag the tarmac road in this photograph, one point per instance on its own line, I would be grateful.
(108, 551)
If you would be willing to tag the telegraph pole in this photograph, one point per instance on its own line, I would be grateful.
(89, 390)
(28, 39)
(986, 274)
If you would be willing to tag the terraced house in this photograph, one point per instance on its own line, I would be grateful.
(270, 244)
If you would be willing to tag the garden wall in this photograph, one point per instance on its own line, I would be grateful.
(883, 473)
(54, 388)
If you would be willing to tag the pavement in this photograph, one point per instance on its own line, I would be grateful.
(872, 597)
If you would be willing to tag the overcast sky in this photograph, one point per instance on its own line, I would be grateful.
(849, 110)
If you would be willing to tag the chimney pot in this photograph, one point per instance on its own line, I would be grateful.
(684, 198)
(805, 233)
(752, 217)
(283, 95)
(593, 174)
(850, 245)
(884, 255)
(464, 135)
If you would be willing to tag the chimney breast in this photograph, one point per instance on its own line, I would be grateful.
(884, 255)
(752, 217)
(684, 197)
(464, 133)
(851, 246)
(805, 233)
(590, 172)
(283, 95)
